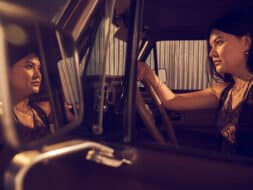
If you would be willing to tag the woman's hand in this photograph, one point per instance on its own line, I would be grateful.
(143, 71)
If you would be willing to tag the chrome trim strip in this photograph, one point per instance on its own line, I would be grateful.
(23, 162)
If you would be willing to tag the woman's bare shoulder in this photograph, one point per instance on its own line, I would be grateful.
(217, 88)
(45, 106)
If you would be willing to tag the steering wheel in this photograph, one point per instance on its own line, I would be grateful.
(148, 119)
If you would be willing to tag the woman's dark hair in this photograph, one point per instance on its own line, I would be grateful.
(16, 53)
(238, 23)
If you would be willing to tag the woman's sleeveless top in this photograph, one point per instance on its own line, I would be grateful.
(236, 125)
(27, 134)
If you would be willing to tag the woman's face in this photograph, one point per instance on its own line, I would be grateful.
(26, 76)
(228, 52)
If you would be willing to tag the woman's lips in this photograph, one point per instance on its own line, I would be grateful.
(217, 62)
(36, 83)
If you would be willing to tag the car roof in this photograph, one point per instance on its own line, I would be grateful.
(184, 19)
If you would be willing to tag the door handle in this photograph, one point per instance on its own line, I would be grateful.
(109, 158)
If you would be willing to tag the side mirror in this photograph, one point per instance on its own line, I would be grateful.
(40, 88)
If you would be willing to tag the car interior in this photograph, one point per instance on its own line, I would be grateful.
(110, 130)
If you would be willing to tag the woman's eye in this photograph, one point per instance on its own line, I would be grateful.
(219, 42)
(29, 66)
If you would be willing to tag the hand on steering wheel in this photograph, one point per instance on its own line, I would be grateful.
(148, 119)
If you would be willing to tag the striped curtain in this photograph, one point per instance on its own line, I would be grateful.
(183, 62)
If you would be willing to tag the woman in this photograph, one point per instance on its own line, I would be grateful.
(25, 79)
(230, 41)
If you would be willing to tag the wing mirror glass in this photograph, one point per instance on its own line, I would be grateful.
(40, 88)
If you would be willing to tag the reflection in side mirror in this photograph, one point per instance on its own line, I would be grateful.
(42, 80)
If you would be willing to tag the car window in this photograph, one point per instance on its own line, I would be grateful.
(184, 62)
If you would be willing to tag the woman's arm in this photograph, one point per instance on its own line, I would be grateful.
(207, 98)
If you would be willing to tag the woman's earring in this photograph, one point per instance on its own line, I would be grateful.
(246, 52)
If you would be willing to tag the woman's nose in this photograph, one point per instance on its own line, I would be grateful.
(37, 73)
(212, 53)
